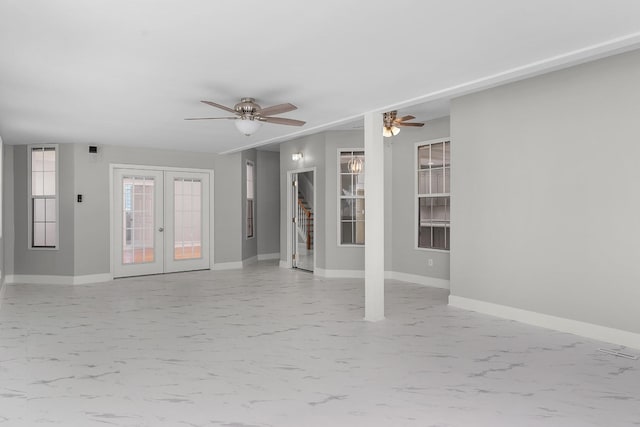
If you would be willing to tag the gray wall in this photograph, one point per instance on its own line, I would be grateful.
(249, 245)
(268, 202)
(92, 250)
(545, 198)
(7, 210)
(44, 261)
(402, 199)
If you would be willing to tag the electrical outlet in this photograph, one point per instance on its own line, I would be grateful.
(430, 262)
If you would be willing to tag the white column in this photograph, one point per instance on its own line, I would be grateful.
(374, 218)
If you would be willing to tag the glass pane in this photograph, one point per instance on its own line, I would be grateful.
(437, 181)
(38, 234)
(424, 237)
(440, 209)
(347, 209)
(437, 155)
(447, 153)
(424, 210)
(347, 231)
(187, 219)
(359, 184)
(50, 209)
(359, 232)
(49, 188)
(39, 210)
(138, 225)
(438, 237)
(423, 156)
(37, 183)
(37, 160)
(50, 234)
(346, 185)
(423, 182)
(49, 160)
(359, 209)
(447, 178)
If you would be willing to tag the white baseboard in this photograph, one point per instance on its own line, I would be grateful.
(432, 282)
(41, 279)
(345, 274)
(234, 265)
(284, 264)
(588, 330)
(264, 257)
(249, 261)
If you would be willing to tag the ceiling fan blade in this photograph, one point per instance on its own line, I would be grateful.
(222, 107)
(410, 124)
(277, 109)
(405, 118)
(281, 121)
(211, 118)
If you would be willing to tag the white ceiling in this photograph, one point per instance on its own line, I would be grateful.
(127, 72)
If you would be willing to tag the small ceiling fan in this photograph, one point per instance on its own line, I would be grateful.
(249, 115)
(392, 123)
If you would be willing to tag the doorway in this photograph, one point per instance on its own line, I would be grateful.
(302, 229)
(161, 221)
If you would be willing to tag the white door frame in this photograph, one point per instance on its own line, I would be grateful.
(113, 166)
(290, 173)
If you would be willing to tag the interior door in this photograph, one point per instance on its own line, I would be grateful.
(186, 221)
(139, 222)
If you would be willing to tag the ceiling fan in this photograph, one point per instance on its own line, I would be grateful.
(249, 115)
(392, 123)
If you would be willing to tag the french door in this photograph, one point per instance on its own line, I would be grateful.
(161, 221)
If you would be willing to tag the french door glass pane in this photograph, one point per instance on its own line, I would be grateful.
(187, 215)
(138, 220)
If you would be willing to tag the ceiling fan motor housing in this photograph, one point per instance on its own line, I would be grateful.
(247, 106)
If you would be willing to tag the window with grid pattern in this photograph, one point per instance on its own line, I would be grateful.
(433, 195)
(351, 197)
(43, 197)
(250, 200)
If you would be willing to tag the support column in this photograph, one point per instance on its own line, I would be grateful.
(374, 217)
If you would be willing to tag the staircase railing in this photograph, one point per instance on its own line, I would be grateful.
(305, 223)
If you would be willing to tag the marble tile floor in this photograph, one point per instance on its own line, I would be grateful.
(266, 346)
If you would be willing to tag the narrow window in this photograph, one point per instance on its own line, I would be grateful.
(43, 198)
(433, 196)
(351, 197)
(250, 200)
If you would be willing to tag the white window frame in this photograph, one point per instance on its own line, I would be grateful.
(339, 198)
(30, 198)
(253, 200)
(417, 196)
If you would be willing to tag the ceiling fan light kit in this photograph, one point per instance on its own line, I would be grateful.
(249, 116)
(392, 122)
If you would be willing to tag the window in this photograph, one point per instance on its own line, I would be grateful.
(351, 198)
(43, 198)
(433, 197)
(250, 200)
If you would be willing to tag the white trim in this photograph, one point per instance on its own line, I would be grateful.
(564, 60)
(234, 265)
(41, 279)
(253, 199)
(288, 262)
(347, 274)
(588, 330)
(56, 149)
(416, 195)
(340, 198)
(432, 282)
(264, 257)
(211, 172)
(249, 261)
(283, 264)
(3, 288)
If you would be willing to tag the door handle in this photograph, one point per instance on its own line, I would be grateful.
(161, 229)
